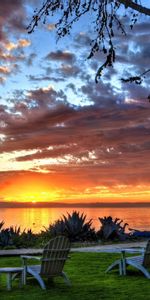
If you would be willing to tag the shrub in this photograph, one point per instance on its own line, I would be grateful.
(5, 237)
(112, 229)
(74, 226)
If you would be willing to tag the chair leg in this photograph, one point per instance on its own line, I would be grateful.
(21, 278)
(38, 278)
(9, 281)
(120, 268)
(145, 272)
(24, 275)
(141, 268)
(41, 282)
(66, 279)
(113, 265)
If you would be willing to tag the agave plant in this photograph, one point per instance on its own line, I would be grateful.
(15, 233)
(13, 237)
(1, 224)
(5, 237)
(112, 229)
(74, 226)
(27, 238)
(57, 228)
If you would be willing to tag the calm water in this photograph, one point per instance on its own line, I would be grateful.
(36, 218)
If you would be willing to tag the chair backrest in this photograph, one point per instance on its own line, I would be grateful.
(54, 256)
(146, 259)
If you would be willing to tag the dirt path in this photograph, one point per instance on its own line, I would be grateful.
(113, 248)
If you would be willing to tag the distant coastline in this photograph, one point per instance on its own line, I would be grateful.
(73, 205)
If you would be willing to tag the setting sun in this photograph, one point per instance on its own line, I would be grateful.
(29, 189)
(49, 188)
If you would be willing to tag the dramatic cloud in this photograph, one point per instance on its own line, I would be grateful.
(83, 140)
(61, 56)
(4, 70)
(20, 44)
(12, 17)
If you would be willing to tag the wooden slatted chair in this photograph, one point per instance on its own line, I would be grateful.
(53, 259)
(140, 262)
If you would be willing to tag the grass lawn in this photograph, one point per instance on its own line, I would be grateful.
(89, 281)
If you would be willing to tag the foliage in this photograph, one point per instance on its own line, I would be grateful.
(5, 237)
(137, 79)
(112, 229)
(74, 226)
(1, 224)
(89, 281)
(28, 238)
(13, 237)
(107, 20)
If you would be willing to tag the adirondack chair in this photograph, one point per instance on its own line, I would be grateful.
(140, 262)
(52, 261)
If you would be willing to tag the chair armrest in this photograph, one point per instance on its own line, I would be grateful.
(30, 257)
(27, 257)
(133, 250)
(139, 251)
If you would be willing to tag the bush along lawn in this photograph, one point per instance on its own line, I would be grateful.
(89, 281)
(75, 226)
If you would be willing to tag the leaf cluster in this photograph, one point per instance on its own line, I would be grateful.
(105, 22)
(74, 226)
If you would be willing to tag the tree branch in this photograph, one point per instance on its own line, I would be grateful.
(135, 6)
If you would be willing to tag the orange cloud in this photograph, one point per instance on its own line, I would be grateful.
(51, 27)
(4, 70)
(20, 44)
(66, 187)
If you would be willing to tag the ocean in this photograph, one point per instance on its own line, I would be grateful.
(38, 218)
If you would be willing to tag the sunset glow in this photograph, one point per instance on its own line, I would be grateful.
(49, 188)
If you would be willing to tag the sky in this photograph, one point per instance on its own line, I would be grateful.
(64, 138)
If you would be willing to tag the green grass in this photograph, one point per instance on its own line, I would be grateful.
(89, 281)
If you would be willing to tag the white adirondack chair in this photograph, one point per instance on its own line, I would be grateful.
(52, 261)
(140, 262)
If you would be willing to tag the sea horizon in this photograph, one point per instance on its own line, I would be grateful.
(16, 204)
(35, 217)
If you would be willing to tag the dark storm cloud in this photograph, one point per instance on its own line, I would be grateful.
(2, 80)
(30, 59)
(106, 142)
(12, 16)
(45, 78)
(82, 40)
(133, 48)
(50, 122)
(72, 87)
(102, 94)
(61, 56)
(113, 141)
(69, 70)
